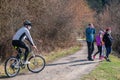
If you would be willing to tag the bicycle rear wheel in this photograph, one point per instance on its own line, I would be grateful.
(37, 63)
(11, 67)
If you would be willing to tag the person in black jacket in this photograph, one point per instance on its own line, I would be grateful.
(107, 38)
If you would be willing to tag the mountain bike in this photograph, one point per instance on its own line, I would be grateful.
(13, 64)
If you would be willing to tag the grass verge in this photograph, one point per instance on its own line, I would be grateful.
(105, 70)
(61, 53)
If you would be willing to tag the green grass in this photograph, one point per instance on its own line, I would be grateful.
(106, 70)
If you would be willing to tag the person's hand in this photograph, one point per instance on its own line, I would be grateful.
(35, 48)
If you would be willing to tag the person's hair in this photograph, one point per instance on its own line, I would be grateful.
(108, 29)
(89, 24)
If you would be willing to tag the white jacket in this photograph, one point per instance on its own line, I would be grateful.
(22, 34)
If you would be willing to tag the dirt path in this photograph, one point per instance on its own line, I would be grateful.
(72, 67)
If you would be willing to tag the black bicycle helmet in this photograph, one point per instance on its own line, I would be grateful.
(27, 22)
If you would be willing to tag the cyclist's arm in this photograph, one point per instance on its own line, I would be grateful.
(29, 37)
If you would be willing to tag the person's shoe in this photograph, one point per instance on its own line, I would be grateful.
(90, 59)
(26, 62)
(100, 58)
(105, 58)
(108, 60)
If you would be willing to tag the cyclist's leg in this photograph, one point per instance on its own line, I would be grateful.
(26, 53)
(19, 52)
(15, 44)
(23, 45)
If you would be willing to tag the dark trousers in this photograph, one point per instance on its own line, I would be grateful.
(20, 44)
(108, 51)
(99, 51)
(90, 49)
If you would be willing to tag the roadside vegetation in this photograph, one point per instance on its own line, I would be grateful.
(105, 70)
(108, 15)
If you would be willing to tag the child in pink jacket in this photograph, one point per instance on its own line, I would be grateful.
(99, 45)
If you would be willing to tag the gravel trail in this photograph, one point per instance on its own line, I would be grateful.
(72, 67)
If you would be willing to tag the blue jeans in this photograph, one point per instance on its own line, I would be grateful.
(108, 51)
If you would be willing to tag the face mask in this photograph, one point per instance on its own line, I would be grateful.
(29, 27)
(109, 32)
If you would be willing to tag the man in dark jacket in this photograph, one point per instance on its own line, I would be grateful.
(107, 38)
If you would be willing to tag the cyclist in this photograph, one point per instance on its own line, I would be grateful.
(19, 37)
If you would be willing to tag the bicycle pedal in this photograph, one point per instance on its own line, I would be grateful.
(23, 66)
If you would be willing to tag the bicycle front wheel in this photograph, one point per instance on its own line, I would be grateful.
(11, 67)
(37, 63)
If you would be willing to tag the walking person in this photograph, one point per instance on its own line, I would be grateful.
(107, 38)
(99, 45)
(90, 33)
